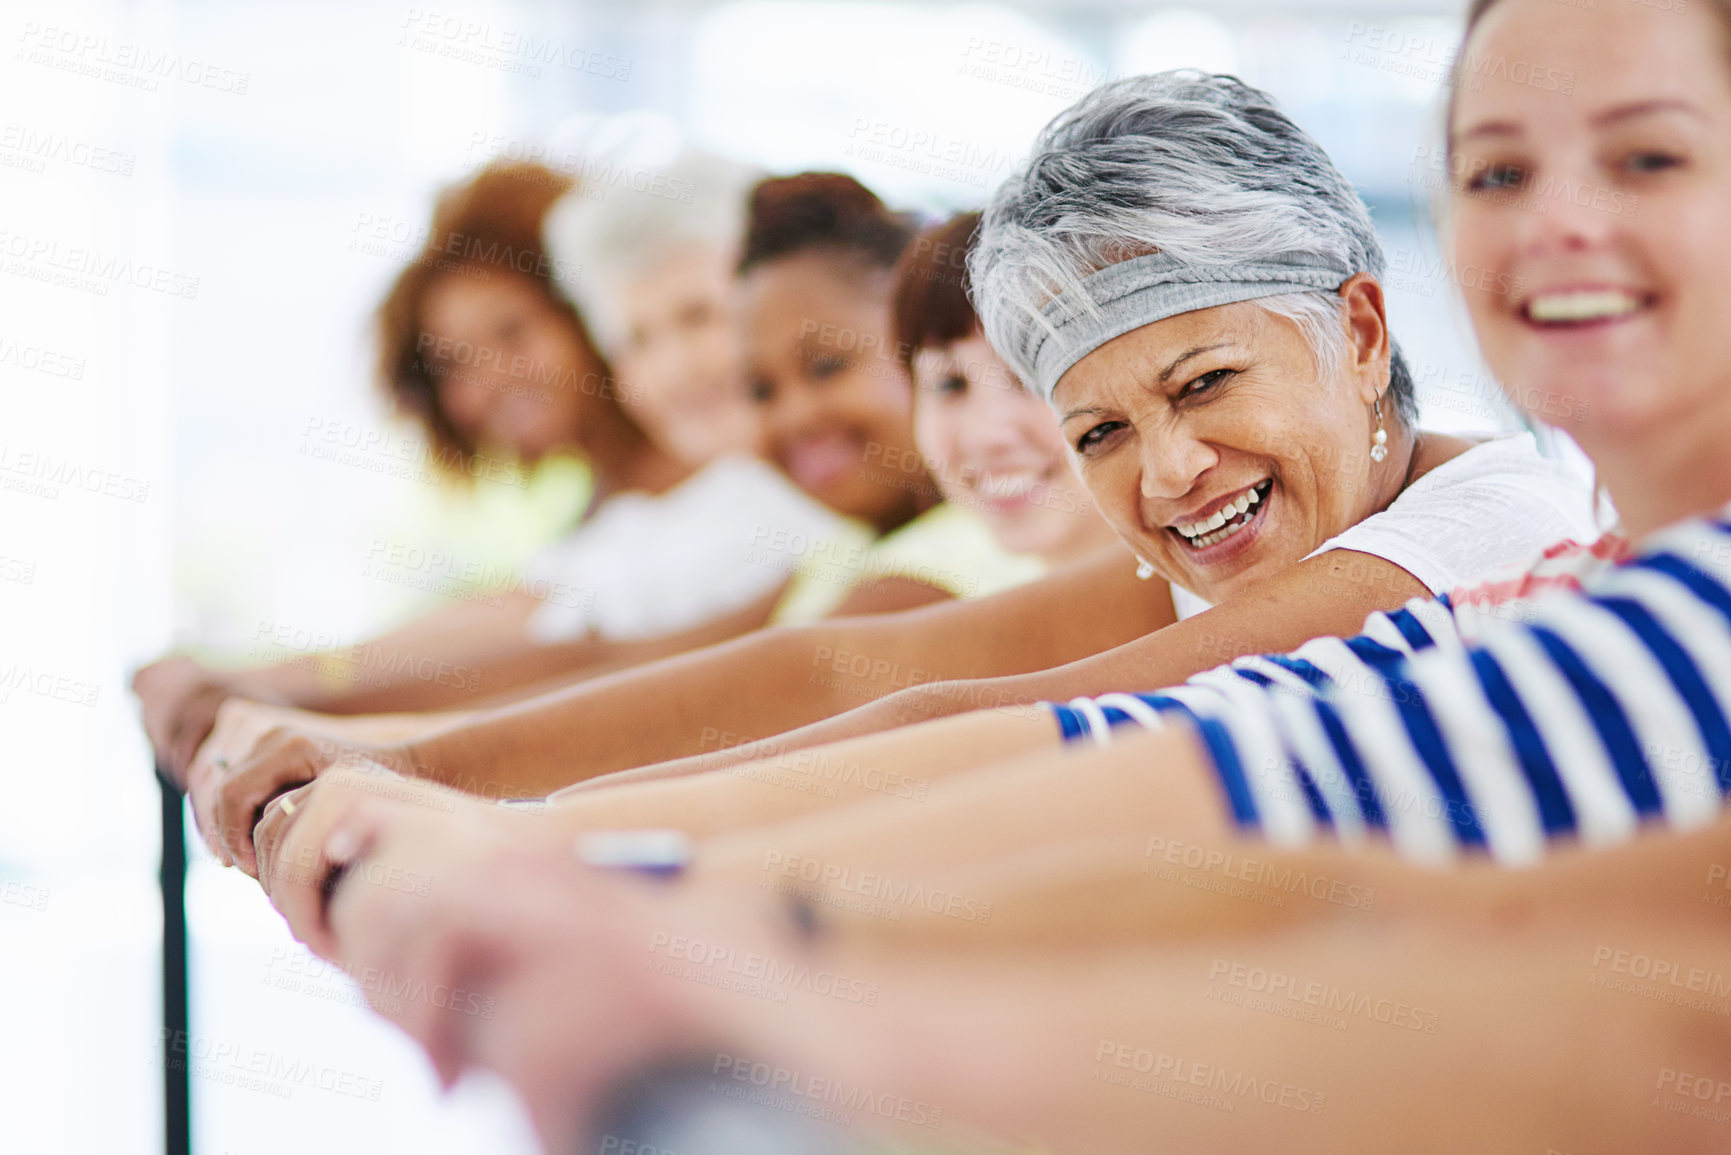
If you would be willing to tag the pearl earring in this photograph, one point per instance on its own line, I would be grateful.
(1379, 440)
(1146, 569)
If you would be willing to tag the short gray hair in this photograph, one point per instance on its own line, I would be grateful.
(1204, 168)
(619, 223)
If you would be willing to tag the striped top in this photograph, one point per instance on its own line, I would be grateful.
(1469, 724)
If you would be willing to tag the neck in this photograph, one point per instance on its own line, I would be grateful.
(1398, 470)
(1665, 475)
(622, 457)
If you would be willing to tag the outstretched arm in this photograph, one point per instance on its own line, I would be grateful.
(1326, 596)
(462, 657)
(1472, 1010)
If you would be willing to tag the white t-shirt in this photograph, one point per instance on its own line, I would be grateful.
(648, 565)
(1498, 504)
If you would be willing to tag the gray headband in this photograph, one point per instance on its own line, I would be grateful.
(1142, 290)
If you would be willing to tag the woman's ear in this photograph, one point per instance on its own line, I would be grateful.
(1367, 331)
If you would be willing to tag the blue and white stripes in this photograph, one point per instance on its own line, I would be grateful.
(1497, 730)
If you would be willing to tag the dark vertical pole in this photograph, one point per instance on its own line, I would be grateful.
(177, 1049)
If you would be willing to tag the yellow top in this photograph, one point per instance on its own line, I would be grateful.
(946, 546)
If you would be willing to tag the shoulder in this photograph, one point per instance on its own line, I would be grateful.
(1503, 477)
(1451, 460)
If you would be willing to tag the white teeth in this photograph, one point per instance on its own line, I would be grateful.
(1587, 305)
(1224, 522)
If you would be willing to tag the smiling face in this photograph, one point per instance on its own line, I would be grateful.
(1610, 208)
(836, 408)
(508, 365)
(682, 355)
(996, 449)
(1217, 451)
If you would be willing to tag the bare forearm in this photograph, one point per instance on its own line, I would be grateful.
(665, 709)
(976, 832)
(1330, 595)
(901, 768)
(783, 679)
(1499, 1046)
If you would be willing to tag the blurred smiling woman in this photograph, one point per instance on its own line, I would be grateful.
(991, 444)
(486, 351)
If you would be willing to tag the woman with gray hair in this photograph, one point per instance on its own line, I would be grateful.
(649, 261)
(1184, 274)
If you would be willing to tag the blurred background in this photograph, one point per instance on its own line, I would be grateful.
(201, 203)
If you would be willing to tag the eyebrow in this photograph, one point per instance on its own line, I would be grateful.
(1610, 116)
(1165, 376)
(1647, 108)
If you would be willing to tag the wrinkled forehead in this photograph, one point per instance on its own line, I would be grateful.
(1124, 297)
(1140, 358)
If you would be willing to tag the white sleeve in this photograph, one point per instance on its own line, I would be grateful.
(648, 566)
(1496, 505)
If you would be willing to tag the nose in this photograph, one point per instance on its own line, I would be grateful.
(1568, 212)
(792, 410)
(988, 425)
(468, 401)
(1173, 461)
